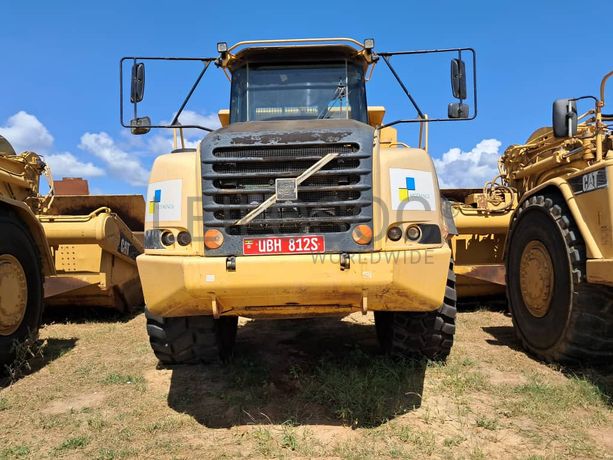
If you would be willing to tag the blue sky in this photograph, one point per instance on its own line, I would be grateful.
(59, 85)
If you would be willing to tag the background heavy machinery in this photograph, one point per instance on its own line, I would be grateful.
(60, 250)
(304, 203)
(544, 227)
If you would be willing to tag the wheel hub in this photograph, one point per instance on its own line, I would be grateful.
(536, 277)
(13, 294)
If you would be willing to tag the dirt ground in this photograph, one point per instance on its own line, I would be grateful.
(300, 389)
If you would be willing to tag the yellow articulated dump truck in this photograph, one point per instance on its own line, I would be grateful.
(302, 204)
(543, 230)
(49, 257)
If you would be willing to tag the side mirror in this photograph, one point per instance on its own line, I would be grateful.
(140, 125)
(564, 118)
(137, 90)
(458, 110)
(458, 78)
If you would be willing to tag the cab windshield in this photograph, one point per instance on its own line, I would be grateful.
(263, 92)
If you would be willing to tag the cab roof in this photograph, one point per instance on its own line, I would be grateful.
(297, 54)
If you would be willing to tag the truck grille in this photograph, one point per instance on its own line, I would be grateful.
(237, 179)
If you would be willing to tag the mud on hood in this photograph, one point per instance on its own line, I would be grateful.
(290, 132)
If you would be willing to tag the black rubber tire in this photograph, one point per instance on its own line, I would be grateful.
(191, 339)
(578, 326)
(417, 335)
(15, 239)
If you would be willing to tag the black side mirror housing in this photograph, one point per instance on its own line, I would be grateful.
(564, 118)
(458, 110)
(137, 89)
(458, 78)
(140, 125)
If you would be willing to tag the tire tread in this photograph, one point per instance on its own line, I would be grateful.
(420, 334)
(588, 336)
(191, 339)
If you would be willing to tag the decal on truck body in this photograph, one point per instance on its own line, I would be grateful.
(164, 201)
(594, 180)
(412, 190)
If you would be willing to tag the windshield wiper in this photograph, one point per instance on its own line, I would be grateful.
(339, 93)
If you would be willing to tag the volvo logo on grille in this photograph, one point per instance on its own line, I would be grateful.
(286, 189)
(297, 181)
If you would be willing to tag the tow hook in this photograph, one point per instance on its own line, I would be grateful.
(231, 264)
(345, 261)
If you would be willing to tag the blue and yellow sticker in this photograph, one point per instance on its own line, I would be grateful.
(157, 197)
(404, 192)
(412, 190)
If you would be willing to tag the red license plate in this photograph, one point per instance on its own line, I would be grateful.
(284, 245)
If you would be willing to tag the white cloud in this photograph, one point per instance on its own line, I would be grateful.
(67, 165)
(189, 117)
(160, 141)
(192, 135)
(25, 132)
(458, 169)
(119, 163)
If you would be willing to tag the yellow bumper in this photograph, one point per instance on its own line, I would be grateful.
(294, 285)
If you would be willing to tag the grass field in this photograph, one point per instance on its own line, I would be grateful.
(304, 388)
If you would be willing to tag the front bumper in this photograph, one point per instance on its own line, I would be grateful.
(294, 285)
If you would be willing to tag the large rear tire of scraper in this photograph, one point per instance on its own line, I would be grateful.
(191, 339)
(21, 287)
(557, 315)
(417, 335)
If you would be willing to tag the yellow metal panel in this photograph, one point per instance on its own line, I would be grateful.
(597, 210)
(60, 284)
(396, 280)
(129, 208)
(482, 224)
(93, 256)
(184, 166)
(600, 271)
(78, 258)
(388, 135)
(593, 251)
(385, 158)
(491, 273)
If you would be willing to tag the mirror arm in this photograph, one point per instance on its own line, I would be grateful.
(148, 58)
(424, 120)
(386, 55)
(404, 88)
(121, 93)
(175, 120)
(203, 128)
(594, 98)
(569, 110)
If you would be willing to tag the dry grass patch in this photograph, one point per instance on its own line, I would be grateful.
(301, 389)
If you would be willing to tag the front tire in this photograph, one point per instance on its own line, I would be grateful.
(191, 339)
(557, 315)
(417, 335)
(21, 287)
